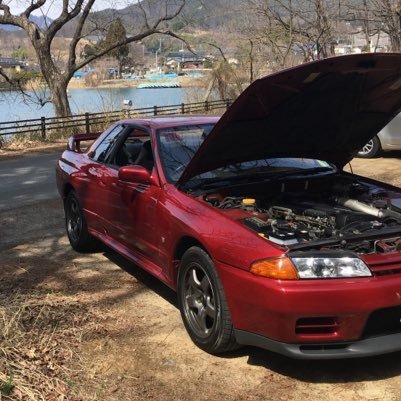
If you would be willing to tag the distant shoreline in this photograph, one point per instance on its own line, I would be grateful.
(185, 82)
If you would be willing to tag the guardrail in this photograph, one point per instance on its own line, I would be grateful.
(90, 121)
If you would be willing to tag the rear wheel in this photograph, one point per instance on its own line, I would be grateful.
(76, 227)
(371, 149)
(202, 303)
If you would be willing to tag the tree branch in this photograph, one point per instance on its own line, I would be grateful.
(145, 17)
(7, 17)
(78, 36)
(64, 17)
(220, 51)
(34, 6)
(13, 83)
(131, 39)
(151, 30)
(169, 17)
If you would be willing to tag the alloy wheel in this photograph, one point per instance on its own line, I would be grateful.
(74, 220)
(367, 148)
(199, 301)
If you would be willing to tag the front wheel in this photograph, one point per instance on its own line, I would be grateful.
(371, 149)
(77, 230)
(202, 303)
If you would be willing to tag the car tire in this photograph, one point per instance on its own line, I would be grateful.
(202, 303)
(75, 223)
(371, 149)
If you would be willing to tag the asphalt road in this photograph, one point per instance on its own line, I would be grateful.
(27, 180)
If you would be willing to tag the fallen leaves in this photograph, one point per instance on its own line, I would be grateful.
(40, 339)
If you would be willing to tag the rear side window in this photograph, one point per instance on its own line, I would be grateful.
(104, 148)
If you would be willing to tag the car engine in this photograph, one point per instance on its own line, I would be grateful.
(340, 212)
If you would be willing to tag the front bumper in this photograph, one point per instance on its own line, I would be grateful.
(363, 348)
(337, 318)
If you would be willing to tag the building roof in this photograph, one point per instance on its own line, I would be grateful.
(10, 62)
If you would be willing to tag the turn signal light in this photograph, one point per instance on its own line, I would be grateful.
(277, 268)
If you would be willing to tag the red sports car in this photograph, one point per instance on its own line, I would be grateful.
(251, 218)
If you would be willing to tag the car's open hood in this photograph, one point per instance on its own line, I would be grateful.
(325, 110)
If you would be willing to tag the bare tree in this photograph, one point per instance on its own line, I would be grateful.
(378, 16)
(362, 17)
(41, 39)
(271, 27)
(376, 19)
(285, 26)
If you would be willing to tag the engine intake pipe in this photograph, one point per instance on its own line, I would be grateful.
(358, 206)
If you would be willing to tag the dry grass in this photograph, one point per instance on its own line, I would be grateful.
(40, 337)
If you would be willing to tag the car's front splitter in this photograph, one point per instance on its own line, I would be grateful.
(356, 349)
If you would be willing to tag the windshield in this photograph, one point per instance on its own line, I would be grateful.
(177, 145)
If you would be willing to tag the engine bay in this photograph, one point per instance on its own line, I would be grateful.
(340, 213)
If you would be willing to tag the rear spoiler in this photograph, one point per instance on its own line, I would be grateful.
(74, 142)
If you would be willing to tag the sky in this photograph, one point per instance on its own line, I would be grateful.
(52, 8)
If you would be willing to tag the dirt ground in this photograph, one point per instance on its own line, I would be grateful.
(95, 327)
(23, 148)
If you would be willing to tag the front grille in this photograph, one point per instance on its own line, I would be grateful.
(383, 321)
(386, 272)
(386, 267)
(316, 325)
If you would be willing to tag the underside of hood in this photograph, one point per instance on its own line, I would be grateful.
(326, 110)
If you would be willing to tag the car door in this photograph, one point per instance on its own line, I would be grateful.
(99, 204)
(139, 222)
(131, 211)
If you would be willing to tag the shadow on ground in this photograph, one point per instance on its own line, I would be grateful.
(47, 263)
(143, 277)
(328, 371)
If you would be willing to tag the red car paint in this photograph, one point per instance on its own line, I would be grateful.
(151, 224)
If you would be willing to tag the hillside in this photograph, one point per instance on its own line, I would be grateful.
(42, 22)
(197, 14)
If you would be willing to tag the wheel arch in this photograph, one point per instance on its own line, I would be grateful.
(183, 244)
(379, 140)
(67, 189)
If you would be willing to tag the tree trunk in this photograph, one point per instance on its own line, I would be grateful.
(58, 88)
(55, 79)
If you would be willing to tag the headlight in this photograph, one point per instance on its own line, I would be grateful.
(330, 267)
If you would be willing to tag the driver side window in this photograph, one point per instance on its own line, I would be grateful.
(135, 149)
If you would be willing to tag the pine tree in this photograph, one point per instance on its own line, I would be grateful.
(116, 34)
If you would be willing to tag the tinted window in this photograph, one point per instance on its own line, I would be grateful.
(104, 148)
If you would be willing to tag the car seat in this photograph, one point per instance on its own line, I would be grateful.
(145, 156)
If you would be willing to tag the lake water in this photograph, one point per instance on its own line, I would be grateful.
(13, 107)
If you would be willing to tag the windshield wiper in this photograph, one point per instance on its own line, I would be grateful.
(270, 175)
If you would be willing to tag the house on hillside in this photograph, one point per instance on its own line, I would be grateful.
(9, 63)
(182, 59)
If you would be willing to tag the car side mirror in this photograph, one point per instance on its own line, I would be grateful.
(134, 174)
